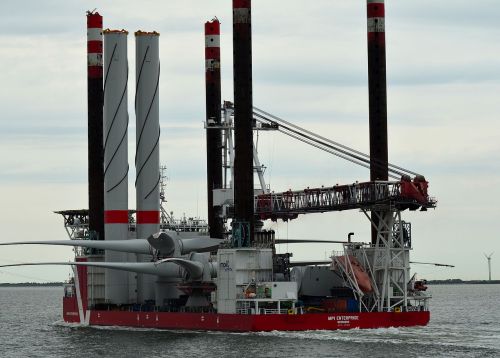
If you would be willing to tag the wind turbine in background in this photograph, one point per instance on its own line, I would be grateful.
(488, 257)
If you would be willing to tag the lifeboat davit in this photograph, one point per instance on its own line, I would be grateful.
(359, 271)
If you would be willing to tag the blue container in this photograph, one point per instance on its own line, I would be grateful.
(352, 305)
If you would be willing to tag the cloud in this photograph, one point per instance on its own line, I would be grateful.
(310, 67)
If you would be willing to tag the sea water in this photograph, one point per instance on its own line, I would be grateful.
(465, 322)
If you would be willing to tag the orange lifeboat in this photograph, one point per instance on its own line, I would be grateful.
(359, 271)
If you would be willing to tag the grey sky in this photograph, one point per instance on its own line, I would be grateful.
(310, 67)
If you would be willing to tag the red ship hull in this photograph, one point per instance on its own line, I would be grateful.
(246, 323)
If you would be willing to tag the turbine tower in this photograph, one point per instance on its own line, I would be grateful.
(488, 257)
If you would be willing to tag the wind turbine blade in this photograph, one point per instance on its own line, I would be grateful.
(132, 246)
(431, 263)
(194, 268)
(162, 242)
(309, 263)
(199, 244)
(150, 268)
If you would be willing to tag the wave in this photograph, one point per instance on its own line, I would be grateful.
(410, 336)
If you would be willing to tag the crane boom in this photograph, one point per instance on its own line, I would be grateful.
(404, 194)
(401, 192)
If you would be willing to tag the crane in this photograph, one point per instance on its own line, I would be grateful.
(381, 201)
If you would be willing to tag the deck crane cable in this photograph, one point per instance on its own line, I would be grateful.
(314, 141)
(328, 148)
(272, 118)
(278, 120)
(311, 140)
